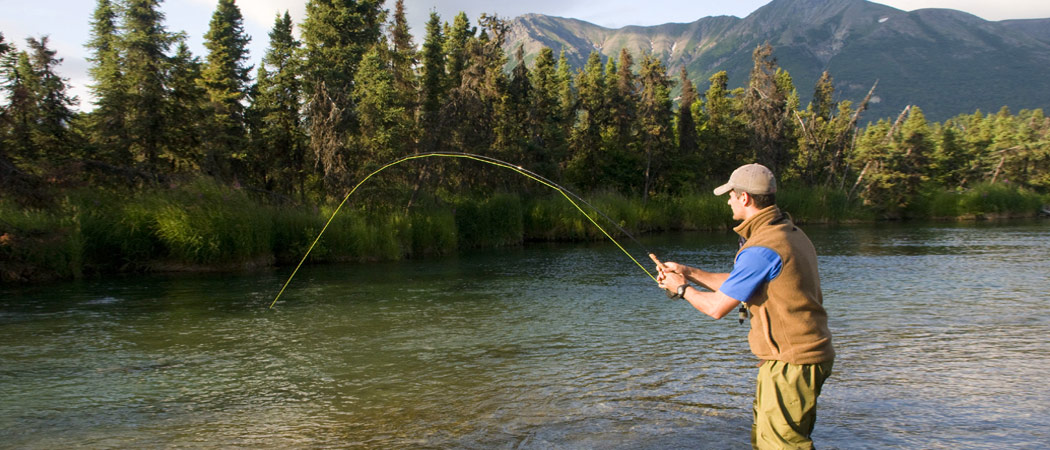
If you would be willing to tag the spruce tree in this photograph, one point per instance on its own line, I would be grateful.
(550, 138)
(106, 123)
(476, 107)
(225, 78)
(403, 57)
(385, 133)
(723, 136)
(586, 139)
(51, 134)
(7, 167)
(516, 119)
(145, 45)
(655, 117)
(623, 97)
(21, 110)
(336, 34)
(766, 107)
(434, 86)
(188, 112)
(279, 137)
(567, 104)
(685, 161)
(15, 119)
(456, 38)
(823, 97)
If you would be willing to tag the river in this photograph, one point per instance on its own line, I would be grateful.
(941, 331)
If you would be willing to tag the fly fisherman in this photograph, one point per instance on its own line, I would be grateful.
(775, 277)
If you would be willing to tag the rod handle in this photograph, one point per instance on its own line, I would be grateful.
(656, 260)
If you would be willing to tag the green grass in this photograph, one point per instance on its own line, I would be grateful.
(204, 225)
(982, 201)
(820, 205)
(40, 245)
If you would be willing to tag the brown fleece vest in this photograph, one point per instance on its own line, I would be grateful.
(788, 321)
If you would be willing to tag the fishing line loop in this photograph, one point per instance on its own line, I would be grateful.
(569, 195)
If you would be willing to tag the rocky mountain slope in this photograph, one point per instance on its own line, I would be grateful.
(945, 61)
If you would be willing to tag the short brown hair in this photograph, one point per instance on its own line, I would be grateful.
(763, 200)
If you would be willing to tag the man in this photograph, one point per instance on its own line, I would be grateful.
(775, 276)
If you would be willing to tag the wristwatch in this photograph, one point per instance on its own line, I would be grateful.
(681, 290)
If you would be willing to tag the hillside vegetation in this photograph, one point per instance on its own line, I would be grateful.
(186, 163)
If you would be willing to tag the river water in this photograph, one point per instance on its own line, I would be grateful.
(941, 332)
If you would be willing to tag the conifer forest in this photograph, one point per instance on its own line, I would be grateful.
(185, 160)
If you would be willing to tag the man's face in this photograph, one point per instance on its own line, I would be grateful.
(737, 204)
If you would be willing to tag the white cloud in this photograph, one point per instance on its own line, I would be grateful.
(988, 10)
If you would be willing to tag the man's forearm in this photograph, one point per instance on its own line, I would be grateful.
(711, 281)
(715, 304)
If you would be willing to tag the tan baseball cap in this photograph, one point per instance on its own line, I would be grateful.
(751, 178)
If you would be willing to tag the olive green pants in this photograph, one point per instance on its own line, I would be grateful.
(786, 404)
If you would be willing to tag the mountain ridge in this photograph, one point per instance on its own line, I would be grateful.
(945, 61)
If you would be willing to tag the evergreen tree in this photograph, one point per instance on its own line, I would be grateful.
(623, 98)
(455, 46)
(7, 168)
(476, 108)
(225, 79)
(336, 34)
(550, 138)
(21, 110)
(823, 97)
(723, 136)
(187, 111)
(567, 103)
(685, 124)
(403, 57)
(384, 131)
(280, 141)
(768, 112)
(896, 160)
(106, 123)
(15, 136)
(434, 85)
(145, 44)
(586, 139)
(816, 134)
(38, 114)
(655, 117)
(949, 165)
(51, 134)
(517, 121)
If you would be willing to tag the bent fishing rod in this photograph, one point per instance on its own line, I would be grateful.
(572, 197)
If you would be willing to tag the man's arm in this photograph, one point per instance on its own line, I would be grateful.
(709, 280)
(715, 304)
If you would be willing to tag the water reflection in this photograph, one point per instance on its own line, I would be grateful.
(940, 334)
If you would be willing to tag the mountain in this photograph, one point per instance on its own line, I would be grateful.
(945, 61)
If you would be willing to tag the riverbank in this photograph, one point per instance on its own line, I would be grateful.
(204, 226)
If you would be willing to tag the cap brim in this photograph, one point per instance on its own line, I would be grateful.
(723, 189)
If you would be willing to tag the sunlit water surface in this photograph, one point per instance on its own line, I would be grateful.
(941, 331)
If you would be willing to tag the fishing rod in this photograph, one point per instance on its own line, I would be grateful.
(572, 197)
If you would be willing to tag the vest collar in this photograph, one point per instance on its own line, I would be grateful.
(766, 216)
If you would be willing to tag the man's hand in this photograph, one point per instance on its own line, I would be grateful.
(669, 277)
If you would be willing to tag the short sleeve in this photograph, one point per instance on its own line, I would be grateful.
(753, 267)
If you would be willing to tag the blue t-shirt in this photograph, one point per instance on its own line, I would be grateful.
(753, 267)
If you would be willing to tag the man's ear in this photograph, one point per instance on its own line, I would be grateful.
(745, 198)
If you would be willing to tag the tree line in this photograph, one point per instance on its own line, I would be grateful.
(354, 91)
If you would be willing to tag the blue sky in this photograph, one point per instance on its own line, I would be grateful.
(66, 22)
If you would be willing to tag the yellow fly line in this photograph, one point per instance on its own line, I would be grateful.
(472, 157)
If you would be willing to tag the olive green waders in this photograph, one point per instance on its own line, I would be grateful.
(786, 404)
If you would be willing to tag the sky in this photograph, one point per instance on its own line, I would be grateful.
(67, 22)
